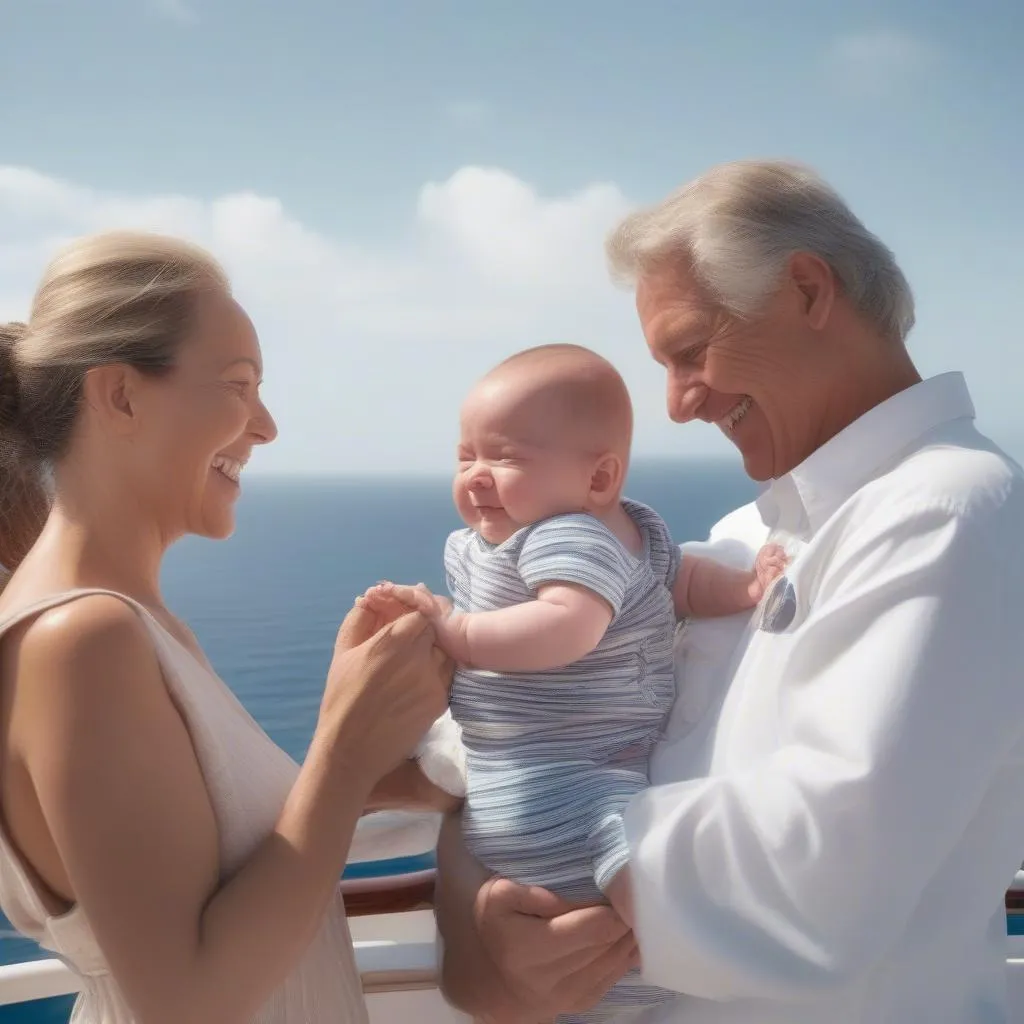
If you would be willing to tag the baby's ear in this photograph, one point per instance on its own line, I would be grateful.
(606, 480)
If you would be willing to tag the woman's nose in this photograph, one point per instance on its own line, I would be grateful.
(262, 426)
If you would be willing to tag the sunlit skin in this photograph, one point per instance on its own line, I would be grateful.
(140, 473)
(208, 406)
(139, 476)
(791, 378)
(101, 777)
(525, 453)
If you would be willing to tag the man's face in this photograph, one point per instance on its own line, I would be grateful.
(755, 379)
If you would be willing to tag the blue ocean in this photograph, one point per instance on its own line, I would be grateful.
(266, 604)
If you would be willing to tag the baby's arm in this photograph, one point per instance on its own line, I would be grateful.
(563, 624)
(578, 573)
(706, 589)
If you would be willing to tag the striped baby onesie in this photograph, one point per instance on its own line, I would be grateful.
(552, 758)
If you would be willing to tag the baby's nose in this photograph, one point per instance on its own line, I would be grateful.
(480, 479)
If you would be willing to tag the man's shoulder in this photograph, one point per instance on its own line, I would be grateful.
(955, 467)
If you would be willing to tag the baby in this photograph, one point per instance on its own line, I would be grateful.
(565, 598)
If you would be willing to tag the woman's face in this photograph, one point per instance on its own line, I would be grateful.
(199, 424)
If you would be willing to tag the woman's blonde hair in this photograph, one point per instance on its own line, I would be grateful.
(118, 297)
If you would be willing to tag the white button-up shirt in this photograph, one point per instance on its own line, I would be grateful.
(838, 803)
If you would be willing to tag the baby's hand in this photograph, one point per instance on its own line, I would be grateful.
(449, 628)
(417, 598)
(770, 563)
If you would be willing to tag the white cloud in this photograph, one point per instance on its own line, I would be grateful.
(873, 64)
(174, 10)
(369, 349)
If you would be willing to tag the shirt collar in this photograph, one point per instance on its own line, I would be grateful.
(828, 476)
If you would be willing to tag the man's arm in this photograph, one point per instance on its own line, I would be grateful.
(469, 979)
(517, 954)
(903, 701)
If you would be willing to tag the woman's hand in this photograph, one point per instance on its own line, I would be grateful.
(368, 617)
(386, 685)
(517, 954)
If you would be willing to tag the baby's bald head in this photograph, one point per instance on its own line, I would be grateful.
(559, 394)
(545, 433)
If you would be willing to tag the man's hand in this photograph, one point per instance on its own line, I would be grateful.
(552, 958)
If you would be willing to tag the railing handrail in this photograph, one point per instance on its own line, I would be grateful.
(396, 894)
(384, 966)
(415, 891)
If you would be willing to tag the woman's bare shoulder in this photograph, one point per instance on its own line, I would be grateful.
(90, 625)
(85, 654)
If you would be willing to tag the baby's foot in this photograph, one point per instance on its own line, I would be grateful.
(770, 564)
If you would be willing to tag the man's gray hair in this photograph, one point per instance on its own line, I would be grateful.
(737, 226)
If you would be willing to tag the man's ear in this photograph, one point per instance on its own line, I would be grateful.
(606, 479)
(814, 284)
(111, 392)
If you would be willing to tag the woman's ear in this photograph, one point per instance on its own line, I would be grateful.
(110, 392)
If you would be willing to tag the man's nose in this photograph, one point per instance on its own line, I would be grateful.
(685, 397)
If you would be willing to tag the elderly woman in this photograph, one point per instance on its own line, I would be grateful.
(838, 802)
(152, 835)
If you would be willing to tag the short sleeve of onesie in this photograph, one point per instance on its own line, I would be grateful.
(674, 562)
(455, 575)
(579, 549)
(665, 555)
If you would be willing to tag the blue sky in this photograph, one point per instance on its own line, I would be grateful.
(406, 192)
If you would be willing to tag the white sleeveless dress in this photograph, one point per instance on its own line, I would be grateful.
(248, 778)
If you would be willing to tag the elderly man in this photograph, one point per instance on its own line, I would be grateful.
(837, 807)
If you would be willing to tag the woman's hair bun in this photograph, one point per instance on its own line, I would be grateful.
(10, 393)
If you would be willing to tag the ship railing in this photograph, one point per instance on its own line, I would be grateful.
(384, 965)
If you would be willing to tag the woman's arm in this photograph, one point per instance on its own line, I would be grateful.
(126, 805)
(406, 788)
(518, 954)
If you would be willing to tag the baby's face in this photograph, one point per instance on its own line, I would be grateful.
(519, 461)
